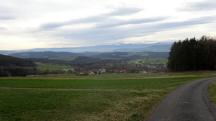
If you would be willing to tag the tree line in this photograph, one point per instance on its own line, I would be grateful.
(193, 54)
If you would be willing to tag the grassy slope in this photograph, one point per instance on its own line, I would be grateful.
(43, 67)
(98, 98)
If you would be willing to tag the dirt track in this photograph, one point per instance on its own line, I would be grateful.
(188, 103)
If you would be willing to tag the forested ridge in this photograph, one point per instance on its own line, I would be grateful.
(193, 54)
(11, 66)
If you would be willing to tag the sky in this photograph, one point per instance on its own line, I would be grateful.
(26, 24)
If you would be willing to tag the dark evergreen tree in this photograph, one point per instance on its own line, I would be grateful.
(193, 54)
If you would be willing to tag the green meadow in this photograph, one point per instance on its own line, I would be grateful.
(109, 97)
(212, 92)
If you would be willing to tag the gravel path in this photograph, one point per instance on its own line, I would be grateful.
(187, 103)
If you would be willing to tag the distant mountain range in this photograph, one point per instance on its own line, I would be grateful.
(152, 47)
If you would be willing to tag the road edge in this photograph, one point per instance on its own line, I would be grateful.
(206, 97)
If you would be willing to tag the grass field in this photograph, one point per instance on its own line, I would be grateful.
(48, 67)
(110, 97)
(212, 92)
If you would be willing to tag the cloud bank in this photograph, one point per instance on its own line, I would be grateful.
(45, 23)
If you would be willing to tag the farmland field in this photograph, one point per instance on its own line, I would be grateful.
(110, 97)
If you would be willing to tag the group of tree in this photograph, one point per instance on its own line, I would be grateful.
(11, 66)
(193, 54)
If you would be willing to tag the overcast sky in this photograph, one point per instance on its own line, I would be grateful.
(26, 24)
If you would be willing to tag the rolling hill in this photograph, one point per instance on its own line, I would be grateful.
(67, 56)
(46, 55)
(12, 66)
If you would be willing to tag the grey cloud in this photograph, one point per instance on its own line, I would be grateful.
(118, 23)
(50, 26)
(124, 11)
(201, 6)
(111, 34)
(92, 19)
(4, 17)
(6, 13)
(2, 28)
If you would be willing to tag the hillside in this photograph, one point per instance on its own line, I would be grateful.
(67, 56)
(131, 55)
(46, 55)
(12, 66)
